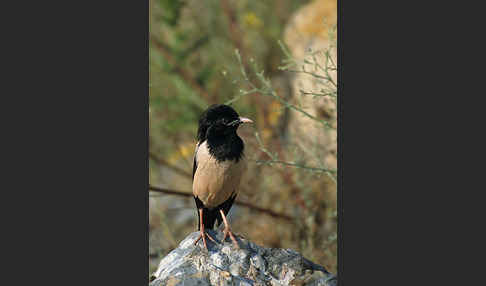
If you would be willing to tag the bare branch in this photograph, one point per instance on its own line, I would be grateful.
(291, 164)
(244, 204)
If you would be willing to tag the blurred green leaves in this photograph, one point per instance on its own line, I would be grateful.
(171, 11)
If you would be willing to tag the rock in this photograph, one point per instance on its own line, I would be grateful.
(223, 264)
(306, 33)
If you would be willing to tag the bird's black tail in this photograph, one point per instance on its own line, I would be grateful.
(210, 216)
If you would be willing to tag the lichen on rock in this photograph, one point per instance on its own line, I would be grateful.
(224, 264)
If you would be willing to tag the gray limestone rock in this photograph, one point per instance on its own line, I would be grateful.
(223, 264)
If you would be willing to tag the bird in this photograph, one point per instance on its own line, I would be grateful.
(219, 164)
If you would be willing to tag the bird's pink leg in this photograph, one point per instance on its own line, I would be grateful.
(203, 233)
(227, 230)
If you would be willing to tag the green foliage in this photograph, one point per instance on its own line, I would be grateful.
(171, 11)
(199, 42)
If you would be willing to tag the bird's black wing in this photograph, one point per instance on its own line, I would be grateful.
(194, 166)
(199, 204)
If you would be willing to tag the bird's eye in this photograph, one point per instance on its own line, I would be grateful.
(233, 122)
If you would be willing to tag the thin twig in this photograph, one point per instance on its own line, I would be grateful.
(244, 204)
(330, 94)
(297, 165)
(268, 90)
(298, 109)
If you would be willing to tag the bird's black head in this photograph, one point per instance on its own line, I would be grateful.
(219, 120)
(218, 125)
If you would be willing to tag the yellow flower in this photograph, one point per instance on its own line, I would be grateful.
(266, 134)
(274, 112)
(185, 150)
(251, 20)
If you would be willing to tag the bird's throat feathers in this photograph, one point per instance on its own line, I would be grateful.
(225, 148)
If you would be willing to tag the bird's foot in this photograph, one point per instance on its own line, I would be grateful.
(203, 235)
(227, 231)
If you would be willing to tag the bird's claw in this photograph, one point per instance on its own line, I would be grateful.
(227, 231)
(203, 235)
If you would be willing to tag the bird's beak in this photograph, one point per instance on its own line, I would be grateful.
(245, 120)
